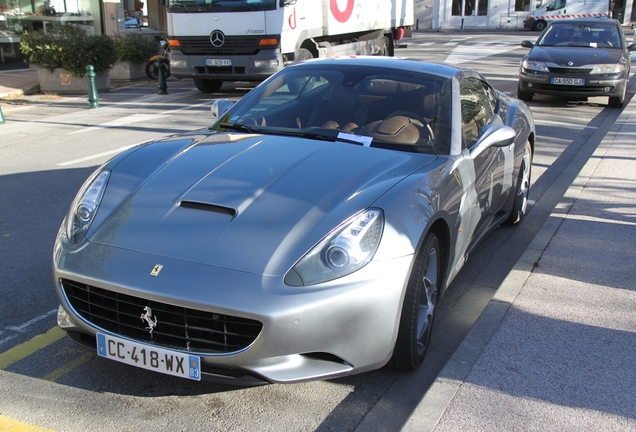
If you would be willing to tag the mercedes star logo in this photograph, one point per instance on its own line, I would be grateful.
(217, 38)
(570, 63)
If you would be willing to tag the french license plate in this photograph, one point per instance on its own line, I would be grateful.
(149, 357)
(218, 62)
(568, 81)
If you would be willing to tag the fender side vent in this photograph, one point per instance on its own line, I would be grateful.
(208, 207)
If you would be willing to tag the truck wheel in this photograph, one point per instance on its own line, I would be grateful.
(304, 54)
(207, 85)
(539, 25)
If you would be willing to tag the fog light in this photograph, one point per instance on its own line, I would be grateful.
(607, 89)
(529, 84)
(177, 64)
(266, 63)
(64, 319)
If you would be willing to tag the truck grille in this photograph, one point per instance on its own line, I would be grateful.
(177, 327)
(234, 45)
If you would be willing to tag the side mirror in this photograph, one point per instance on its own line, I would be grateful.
(632, 47)
(527, 44)
(494, 135)
(220, 107)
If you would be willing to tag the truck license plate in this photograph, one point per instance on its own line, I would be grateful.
(218, 62)
(568, 81)
(149, 357)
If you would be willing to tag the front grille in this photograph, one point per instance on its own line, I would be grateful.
(570, 71)
(205, 70)
(177, 327)
(234, 45)
(573, 89)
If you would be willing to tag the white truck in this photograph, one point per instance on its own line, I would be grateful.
(213, 41)
(566, 9)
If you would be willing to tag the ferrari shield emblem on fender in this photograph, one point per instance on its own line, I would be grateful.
(155, 270)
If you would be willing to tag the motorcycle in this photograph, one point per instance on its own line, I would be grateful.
(152, 67)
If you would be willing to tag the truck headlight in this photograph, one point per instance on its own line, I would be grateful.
(266, 63)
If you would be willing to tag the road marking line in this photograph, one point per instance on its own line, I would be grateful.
(21, 328)
(64, 369)
(9, 424)
(98, 155)
(29, 347)
(546, 122)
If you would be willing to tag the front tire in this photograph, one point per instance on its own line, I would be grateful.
(522, 189)
(523, 95)
(418, 310)
(208, 85)
(618, 101)
(152, 70)
(539, 25)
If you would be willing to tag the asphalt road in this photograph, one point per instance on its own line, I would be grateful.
(51, 144)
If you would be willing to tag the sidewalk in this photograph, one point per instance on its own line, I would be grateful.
(19, 82)
(555, 347)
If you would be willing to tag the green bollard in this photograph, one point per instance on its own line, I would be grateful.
(163, 87)
(1, 115)
(93, 98)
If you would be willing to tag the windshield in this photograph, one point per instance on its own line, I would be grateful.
(354, 104)
(222, 5)
(592, 35)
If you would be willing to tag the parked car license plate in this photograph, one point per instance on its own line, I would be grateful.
(149, 357)
(218, 62)
(568, 81)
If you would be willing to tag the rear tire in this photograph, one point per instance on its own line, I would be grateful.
(418, 310)
(522, 188)
(304, 54)
(207, 85)
(152, 70)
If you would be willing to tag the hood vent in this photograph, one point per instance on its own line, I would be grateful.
(208, 207)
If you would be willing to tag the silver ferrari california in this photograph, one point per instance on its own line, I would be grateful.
(307, 234)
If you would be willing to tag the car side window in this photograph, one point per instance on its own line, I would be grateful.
(478, 109)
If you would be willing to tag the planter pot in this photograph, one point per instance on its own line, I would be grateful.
(127, 71)
(61, 81)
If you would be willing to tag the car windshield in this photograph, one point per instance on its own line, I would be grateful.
(589, 35)
(361, 105)
(221, 5)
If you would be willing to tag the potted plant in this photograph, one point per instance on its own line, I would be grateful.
(62, 55)
(133, 51)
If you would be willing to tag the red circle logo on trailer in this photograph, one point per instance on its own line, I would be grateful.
(342, 16)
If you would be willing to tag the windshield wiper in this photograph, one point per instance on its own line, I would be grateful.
(285, 132)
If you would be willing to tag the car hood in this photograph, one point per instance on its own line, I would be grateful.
(252, 203)
(578, 56)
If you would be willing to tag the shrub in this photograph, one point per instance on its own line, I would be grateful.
(135, 47)
(70, 48)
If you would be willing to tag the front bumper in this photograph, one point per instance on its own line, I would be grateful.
(529, 23)
(334, 329)
(595, 85)
(243, 67)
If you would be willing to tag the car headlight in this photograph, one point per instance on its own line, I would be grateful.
(607, 69)
(535, 65)
(346, 249)
(85, 205)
